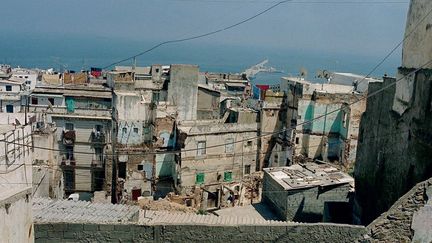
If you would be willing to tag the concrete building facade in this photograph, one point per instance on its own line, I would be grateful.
(308, 193)
(215, 157)
(327, 120)
(82, 115)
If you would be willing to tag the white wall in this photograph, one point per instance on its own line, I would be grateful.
(16, 218)
(16, 223)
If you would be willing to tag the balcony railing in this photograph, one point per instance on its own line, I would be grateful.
(98, 137)
(96, 163)
(69, 137)
(78, 111)
(68, 162)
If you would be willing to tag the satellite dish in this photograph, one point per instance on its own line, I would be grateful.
(326, 74)
(303, 72)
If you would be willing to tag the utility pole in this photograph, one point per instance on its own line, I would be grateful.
(26, 108)
(114, 152)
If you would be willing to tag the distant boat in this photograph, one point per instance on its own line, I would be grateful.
(260, 67)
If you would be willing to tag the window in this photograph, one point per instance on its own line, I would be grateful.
(228, 176)
(124, 130)
(69, 180)
(99, 154)
(8, 87)
(247, 169)
(98, 128)
(155, 97)
(122, 170)
(344, 119)
(51, 101)
(135, 130)
(140, 167)
(201, 148)
(297, 140)
(69, 126)
(70, 153)
(199, 179)
(34, 100)
(229, 145)
(9, 109)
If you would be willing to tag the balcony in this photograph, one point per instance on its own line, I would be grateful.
(98, 137)
(68, 162)
(97, 163)
(96, 113)
(68, 137)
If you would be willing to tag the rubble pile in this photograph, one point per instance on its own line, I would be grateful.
(164, 205)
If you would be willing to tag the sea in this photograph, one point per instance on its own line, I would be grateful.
(82, 53)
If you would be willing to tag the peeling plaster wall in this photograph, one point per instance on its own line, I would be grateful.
(16, 222)
(395, 138)
(218, 159)
(183, 90)
(394, 150)
(134, 113)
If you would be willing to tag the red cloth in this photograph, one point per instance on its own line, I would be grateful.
(263, 87)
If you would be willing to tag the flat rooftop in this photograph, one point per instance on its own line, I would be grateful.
(308, 175)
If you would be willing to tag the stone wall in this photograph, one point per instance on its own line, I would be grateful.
(394, 149)
(196, 233)
(396, 225)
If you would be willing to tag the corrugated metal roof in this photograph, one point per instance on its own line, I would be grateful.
(175, 218)
(46, 210)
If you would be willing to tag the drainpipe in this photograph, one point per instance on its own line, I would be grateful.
(114, 153)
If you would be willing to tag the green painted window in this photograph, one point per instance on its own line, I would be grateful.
(227, 176)
(199, 178)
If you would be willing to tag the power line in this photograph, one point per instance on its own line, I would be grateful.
(293, 2)
(264, 135)
(201, 35)
(396, 47)
(243, 153)
(252, 138)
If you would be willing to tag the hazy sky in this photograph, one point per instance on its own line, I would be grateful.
(349, 27)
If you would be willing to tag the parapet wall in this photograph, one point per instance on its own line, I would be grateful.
(399, 223)
(61, 232)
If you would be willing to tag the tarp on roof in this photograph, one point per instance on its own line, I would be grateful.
(75, 78)
(51, 78)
